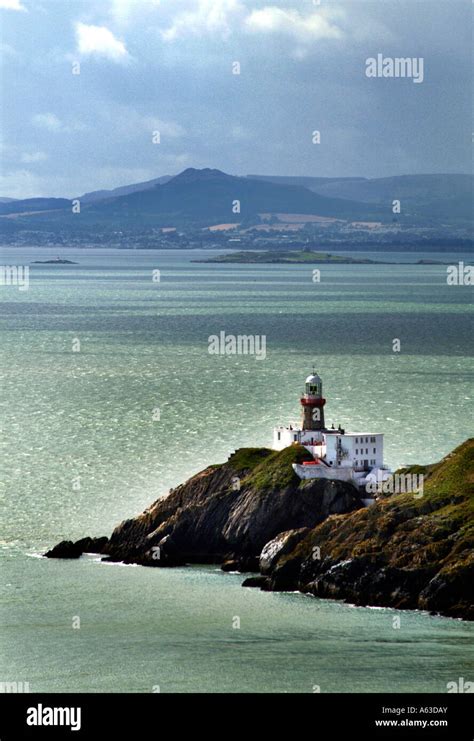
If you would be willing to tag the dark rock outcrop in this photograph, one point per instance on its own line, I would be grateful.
(405, 551)
(65, 549)
(278, 547)
(255, 581)
(92, 545)
(68, 549)
(232, 564)
(253, 513)
(244, 564)
(229, 512)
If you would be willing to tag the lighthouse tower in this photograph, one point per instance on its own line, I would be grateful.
(312, 403)
(336, 454)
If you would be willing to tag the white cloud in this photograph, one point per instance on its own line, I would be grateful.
(310, 27)
(205, 16)
(20, 184)
(51, 122)
(31, 157)
(12, 5)
(100, 41)
(224, 17)
(48, 121)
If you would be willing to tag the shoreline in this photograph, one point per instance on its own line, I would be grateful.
(314, 536)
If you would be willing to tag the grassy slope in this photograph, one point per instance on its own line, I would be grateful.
(407, 529)
(434, 532)
(275, 472)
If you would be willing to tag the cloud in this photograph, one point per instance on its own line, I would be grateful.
(20, 184)
(206, 16)
(12, 5)
(29, 158)
(169, 129)
(225, 17)
(48, 121)
(51, 122)
(100, 41)
(292, 23)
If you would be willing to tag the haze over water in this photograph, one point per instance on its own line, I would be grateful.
(83, 452)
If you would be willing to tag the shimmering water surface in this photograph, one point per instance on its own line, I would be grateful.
(82, 449)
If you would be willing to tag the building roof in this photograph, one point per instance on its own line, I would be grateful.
(313, 378)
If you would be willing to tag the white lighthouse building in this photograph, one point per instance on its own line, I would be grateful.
(348, 456)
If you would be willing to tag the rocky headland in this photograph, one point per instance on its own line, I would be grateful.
(253, 514)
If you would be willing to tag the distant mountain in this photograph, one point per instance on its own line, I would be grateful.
(34, 205)
(7, 200)
(124, 190)
(304, 180)
(440, 196)
(208, 196)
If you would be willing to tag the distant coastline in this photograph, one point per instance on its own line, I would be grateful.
(302, 257)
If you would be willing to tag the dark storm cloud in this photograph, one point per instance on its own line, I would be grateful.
(167, 66)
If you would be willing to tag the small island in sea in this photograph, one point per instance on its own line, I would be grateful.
(320, 513)
(300, 257)
(55, 261)
(297, 256)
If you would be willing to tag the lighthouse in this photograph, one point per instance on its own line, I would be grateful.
(312, 403)
(336, 454)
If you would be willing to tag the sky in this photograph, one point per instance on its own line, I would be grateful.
(86, 84)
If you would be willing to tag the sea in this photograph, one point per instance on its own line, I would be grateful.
(110, 396)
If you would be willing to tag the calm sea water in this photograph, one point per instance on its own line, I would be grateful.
(83, 449)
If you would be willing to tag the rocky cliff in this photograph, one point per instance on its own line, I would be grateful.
(407, 551)
(227, 513)
(253, 513)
